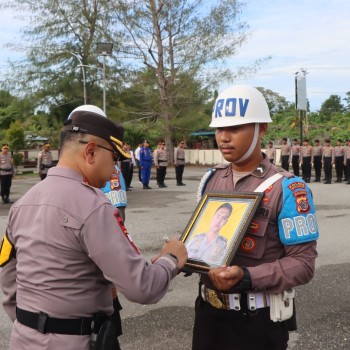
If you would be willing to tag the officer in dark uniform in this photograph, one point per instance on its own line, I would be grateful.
(145, 164)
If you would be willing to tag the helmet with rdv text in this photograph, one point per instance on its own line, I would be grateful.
(238, 105)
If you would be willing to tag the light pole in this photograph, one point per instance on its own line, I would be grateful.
(104, 49)
(83, 71)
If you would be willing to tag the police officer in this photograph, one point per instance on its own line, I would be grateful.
(295, 155)
(339, 160)
(145, 165)
(211, 246)
(161, 163)
(328, 161)
(305, 156)
(66, 246)
(233, 307)
(271, 152)
(317, 159)
(179, 162)
(285, 151)
(45, 160)
(7, 171)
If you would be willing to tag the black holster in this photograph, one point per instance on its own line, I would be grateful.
(107, 329)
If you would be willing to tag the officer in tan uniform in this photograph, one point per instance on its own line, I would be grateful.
(317, 159)
(241, 306)
(271, 152)
(305, 157)
(160, 158)
(339, 160)
(45, 160)
(65, 247)
(295, 155)
(328, 161)
(7, 171)
(285, 151)
(179, 162)
(211, 246)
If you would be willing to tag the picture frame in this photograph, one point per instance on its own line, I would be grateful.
(217, 227)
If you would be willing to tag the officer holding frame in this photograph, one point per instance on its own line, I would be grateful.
(242, 306)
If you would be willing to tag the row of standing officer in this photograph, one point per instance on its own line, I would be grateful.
(160, 159)
(319, 156)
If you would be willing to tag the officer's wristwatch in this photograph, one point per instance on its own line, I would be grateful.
(246, 282)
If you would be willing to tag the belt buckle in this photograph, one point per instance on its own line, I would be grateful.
(42, 318)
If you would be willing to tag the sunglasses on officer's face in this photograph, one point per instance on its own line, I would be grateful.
(115, 154)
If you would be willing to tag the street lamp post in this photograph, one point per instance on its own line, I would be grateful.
(104, 49)
(83, 71)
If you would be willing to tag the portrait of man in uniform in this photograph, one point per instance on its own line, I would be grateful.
(211, 246)
(216, 228)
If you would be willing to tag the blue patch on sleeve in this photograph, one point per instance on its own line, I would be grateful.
(297, 220)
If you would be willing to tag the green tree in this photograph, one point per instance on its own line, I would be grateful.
(179, 42)
(331, 106)
(15, 136)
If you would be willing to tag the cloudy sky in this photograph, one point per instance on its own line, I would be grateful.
(309, 34)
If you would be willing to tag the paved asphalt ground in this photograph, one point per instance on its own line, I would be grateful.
(323, 306)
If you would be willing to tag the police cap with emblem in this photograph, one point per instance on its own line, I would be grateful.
(89, 119)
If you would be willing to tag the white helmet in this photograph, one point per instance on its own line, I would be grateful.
(88, 108)
(238, 105)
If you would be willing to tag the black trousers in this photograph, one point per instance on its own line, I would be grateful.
(125, 170)
(348, 170)
(138, 169)
(179, 170)
(295, 165)
(6, 182)
(161, 172)
(327, 166)
(216, 329)
(306, 168)
(285, 162)
(318, 166)
(339, 167)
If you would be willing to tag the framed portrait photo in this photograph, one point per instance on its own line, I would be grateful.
(216, 229)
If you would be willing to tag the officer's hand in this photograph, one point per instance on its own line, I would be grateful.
(225, 277)
(174, 246)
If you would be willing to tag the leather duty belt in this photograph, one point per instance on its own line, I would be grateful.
(232, 301)
(46, 324)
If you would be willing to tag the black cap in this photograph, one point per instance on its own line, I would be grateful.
(91, 123)
(145, 141)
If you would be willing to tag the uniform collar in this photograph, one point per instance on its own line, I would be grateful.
(65, 172)
(259, 172)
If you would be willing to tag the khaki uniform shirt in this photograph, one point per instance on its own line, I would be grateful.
(210, 252)
(71, 249)
(295, 150)
(44, 161)
(328, 152)
(179, 156)
(305, 151)
(339, 151)
(160, 157)
(6, 164)
(271, 153)
(285, 150)
(273, 266)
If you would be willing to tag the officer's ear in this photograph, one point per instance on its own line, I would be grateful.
(263, 127)
(89, 152)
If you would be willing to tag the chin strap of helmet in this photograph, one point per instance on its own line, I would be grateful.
(252, 145)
